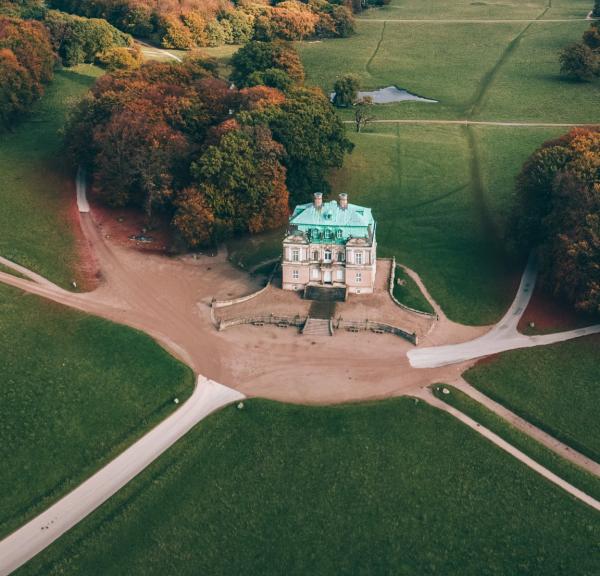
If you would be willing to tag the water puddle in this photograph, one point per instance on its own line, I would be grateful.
(391, 94)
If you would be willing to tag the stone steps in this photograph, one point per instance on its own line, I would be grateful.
(316, 327)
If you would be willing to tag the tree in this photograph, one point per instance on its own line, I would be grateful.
(346, 90)
(596, 9)
(121, 58)
(26, 66)
(578, 61)
(258, 57)
(243, 182)
(557, 211)
(314, 139)
(362, 113)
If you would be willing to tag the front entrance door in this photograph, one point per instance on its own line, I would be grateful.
(327, 277)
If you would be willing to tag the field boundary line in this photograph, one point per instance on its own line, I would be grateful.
(517, 124)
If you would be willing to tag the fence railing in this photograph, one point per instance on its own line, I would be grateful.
(377, 327)
(296, 321)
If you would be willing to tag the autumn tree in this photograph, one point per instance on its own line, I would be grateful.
(557, 211)
(26, 66)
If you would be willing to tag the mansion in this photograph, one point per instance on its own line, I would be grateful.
(330, 244)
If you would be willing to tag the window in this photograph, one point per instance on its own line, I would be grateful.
(327, 234)
(327, 255)
(358, 277)
(338, 233)
(315, 273)
(295, 275)
(340, 275)
(316, 255)
(340, 257)
(295, 255)
(358, 258)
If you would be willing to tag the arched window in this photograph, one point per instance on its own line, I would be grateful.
(327, 257)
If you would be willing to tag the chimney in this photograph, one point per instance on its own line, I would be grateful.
(343, 201)
(318, 200)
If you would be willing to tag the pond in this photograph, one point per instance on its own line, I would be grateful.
(391, 94)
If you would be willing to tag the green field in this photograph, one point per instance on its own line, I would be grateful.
(566, 470)
(36, 184)
(408, 293)
(500, 71)
(75, 391)
(387, 488)
(469, 9)
(555, 387)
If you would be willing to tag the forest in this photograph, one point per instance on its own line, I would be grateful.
(217, 159)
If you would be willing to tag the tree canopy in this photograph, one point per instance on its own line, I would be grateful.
(218, 160)
(558, 212)
(26, 66)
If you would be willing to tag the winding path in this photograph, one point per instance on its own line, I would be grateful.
(502, 337)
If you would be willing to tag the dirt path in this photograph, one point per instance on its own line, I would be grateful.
(517, 124)
(428, 397)
(502, 337)
(474, 21)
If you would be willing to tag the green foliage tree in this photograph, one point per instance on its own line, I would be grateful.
(557, 211)
(314, 139)
(596, 9)
(346, 90)
(258, 57)
(77, 39)
(579, 61)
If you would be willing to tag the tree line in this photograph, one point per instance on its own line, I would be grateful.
(34, 40)
(557, 212)
(216, 159)
(187, 24)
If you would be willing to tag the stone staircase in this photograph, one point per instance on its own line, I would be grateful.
(316, 327)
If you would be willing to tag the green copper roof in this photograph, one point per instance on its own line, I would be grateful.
(332, 223)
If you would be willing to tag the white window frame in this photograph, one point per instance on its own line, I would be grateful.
(295, 255)
(295, 274)
(358, 277)
(315, 274)
(327, 256)
(358, 258)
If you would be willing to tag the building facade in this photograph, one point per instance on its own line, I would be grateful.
(330, 244)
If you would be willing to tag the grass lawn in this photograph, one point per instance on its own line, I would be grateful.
(387, 488)
(75, 391)
(485, 71)
(35, 184)
(248, 252)
(408, 293)
(440, 210)
(448, 9)
(555, 387)
(544, 456)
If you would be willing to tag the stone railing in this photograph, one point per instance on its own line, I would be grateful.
(397, 302)
(377, 327)
(260, 320)
(224, 303)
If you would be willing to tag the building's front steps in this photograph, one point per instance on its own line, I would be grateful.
(317, 327)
